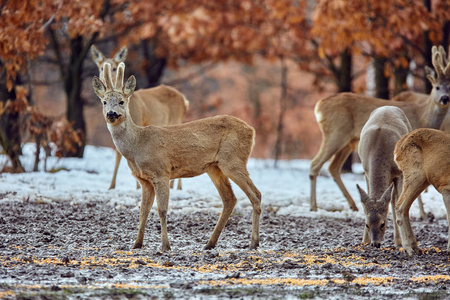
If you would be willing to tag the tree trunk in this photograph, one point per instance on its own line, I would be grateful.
(73, 85)
(155, 65)
(427, 45)
(381, 80)
(401, 74)
(283, 104)
(345, 76)
(345, 85)
(10, 137)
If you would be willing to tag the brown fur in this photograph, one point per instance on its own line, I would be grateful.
(342, 116)
(386, 125)
(424, 158)
(219, 146)
(161, 105)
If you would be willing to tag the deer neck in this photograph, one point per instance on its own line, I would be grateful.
(433, 115)
(125, 137)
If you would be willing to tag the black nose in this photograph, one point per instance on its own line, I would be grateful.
(112, 115)
(445, 99)
(376, 245)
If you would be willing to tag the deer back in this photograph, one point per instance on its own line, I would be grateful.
(386, 125)
(161, 105)
(425, 151)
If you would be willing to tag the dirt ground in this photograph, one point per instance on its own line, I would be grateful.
(63, 250)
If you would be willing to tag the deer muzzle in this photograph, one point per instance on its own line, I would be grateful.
(444, 100)
(112, 116)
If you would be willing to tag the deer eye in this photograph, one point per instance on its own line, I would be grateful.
(382, 226)
(102, 68)
(114, 69)
(438, 88)
(121, 102)
(104, 102)
(367, 226)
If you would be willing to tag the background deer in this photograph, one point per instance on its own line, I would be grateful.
(409, 96)
(424, 158)
(386, 125)
(219, 146)
(341, 118)
(161, 105)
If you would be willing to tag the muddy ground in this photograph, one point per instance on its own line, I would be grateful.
(63, 250)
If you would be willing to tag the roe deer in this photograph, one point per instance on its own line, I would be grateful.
(219, 146)
(386, 125)
(424, 158)
(342, 116)
(161, 105)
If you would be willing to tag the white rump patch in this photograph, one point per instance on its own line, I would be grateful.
(318, 114)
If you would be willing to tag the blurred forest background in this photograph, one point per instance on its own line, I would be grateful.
(265, 61)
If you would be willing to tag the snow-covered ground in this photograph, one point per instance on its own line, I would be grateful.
(285, 189)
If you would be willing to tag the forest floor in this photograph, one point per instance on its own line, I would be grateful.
(63, 250)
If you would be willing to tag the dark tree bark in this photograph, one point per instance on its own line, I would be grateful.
(283, 105)
(155, 66)
(427, 45)
(401, 74)
(381, 81)
(344, 82)
(10, 137)
(72, 86)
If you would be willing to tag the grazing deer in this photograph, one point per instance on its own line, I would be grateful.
(424, 158)
(386, 125)
(219, 146)
(161, 105)
(341, 118)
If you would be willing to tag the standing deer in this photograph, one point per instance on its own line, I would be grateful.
(219, 146)
(341, 118)
(386, 125)
(424, 158)
(161, 105)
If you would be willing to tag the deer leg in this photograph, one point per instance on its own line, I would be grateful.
(446, 197)
(179, 184)
(335, 170)
(116, 168)
(162, 199)
(326, 151)
(223, 186)
(394, 199)
(148, 195)
(242, 179)
(366, 237)
(412, 187)
(423, 215)
(171, 183)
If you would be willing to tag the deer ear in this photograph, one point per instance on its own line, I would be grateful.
(431, 75)
(97, 56)
(386, 197)
(99, 87)
(364, 196)
(121, 55)
(129, 86)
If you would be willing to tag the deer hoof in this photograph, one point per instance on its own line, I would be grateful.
(209, 247)
(137, 245)
(254, 246)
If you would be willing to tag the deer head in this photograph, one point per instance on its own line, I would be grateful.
(376, 211)
(100, 60)
(115, 98)
(440, 76)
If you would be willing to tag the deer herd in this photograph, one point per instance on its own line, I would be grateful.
(399, 142)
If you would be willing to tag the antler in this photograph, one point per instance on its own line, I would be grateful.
(108, 77)
(446, 61)
(440, 62)
(119, 76)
